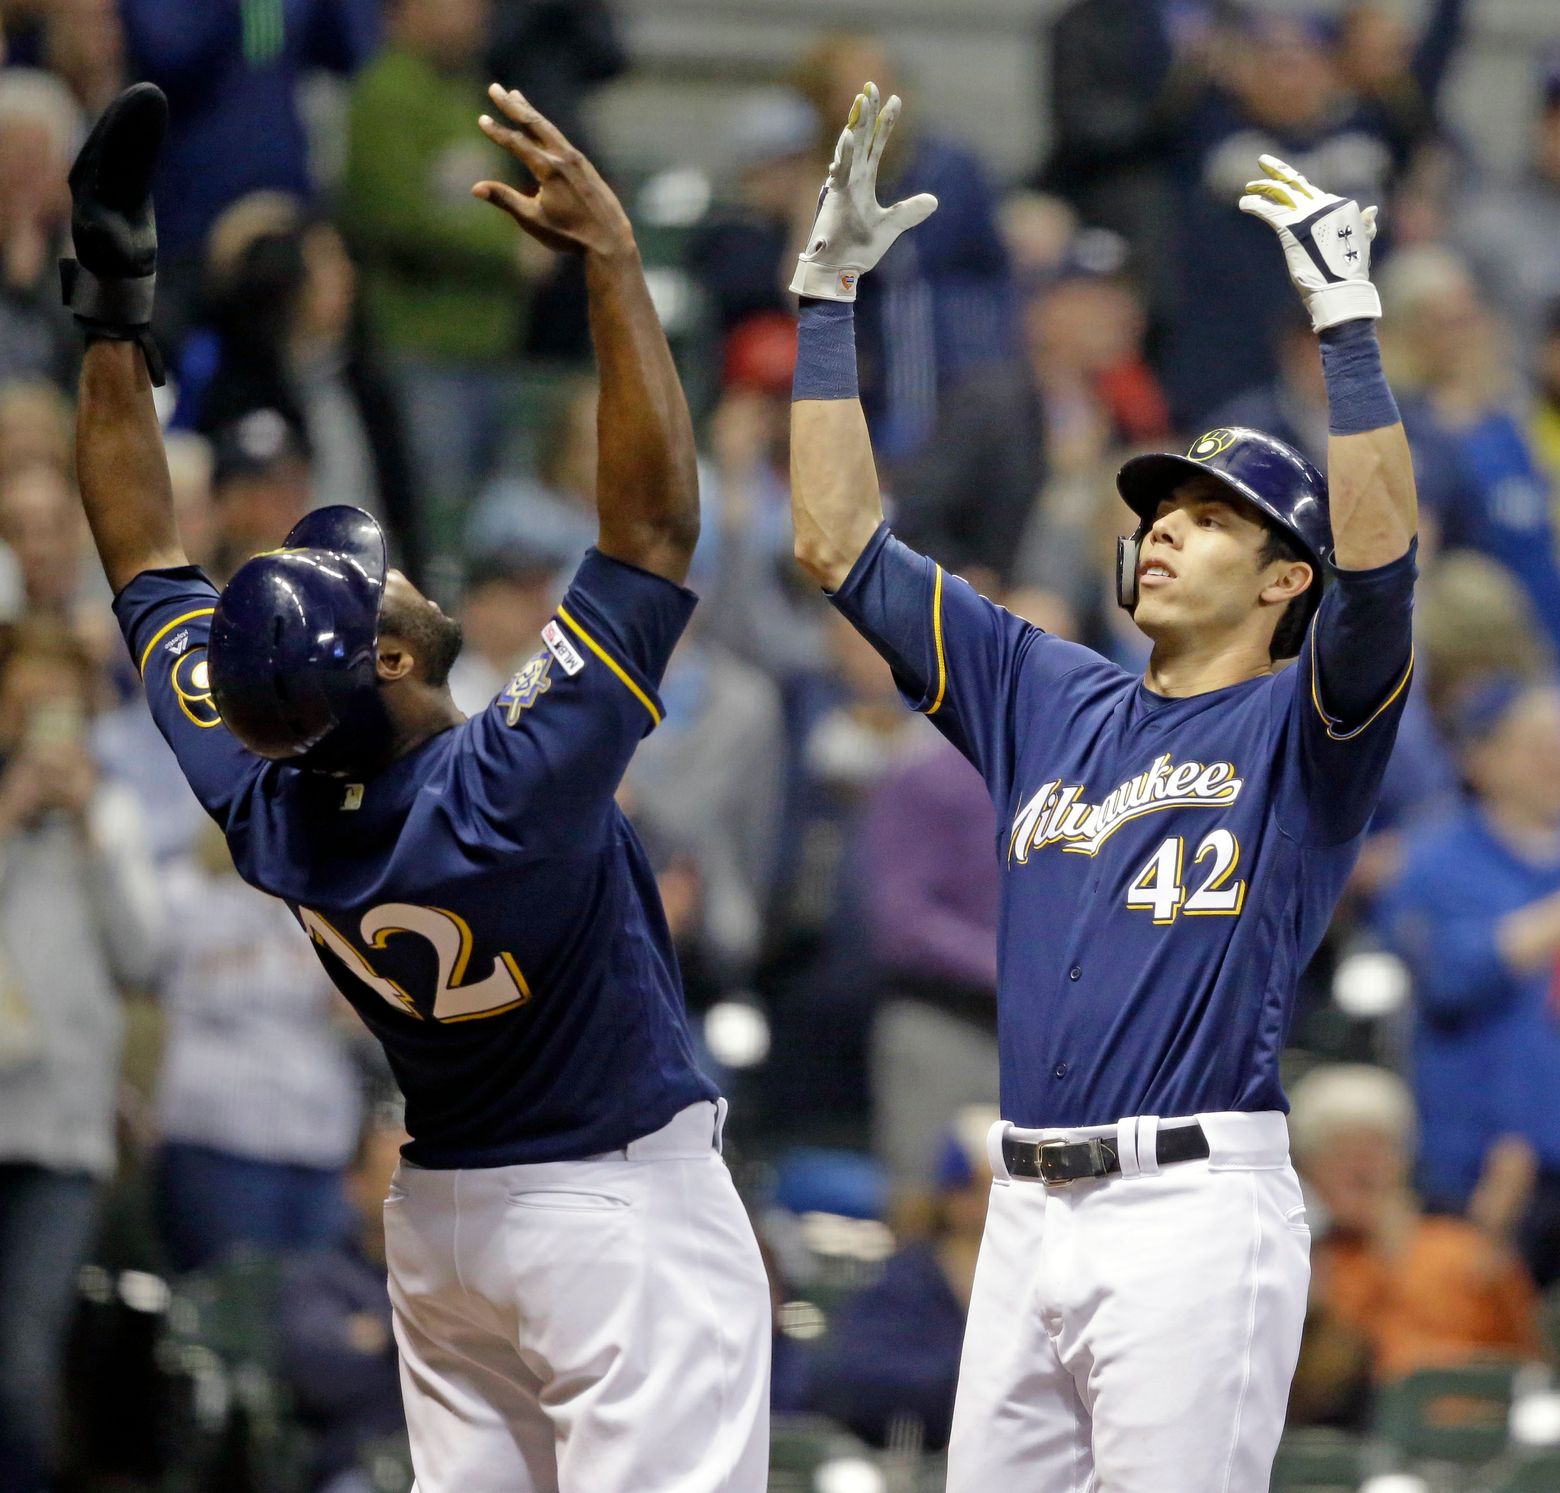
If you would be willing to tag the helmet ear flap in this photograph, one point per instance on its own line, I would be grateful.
(1128, 547)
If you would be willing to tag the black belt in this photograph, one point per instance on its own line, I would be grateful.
(1057, 1162)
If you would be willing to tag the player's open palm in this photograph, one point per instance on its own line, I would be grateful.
(571, 208)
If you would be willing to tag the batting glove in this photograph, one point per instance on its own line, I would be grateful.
(851, 232)
(1326, 242)
(110, 283)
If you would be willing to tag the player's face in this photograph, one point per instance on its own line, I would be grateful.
(1198, 570)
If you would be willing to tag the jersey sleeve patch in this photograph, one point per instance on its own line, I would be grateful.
(527, 687)
(558, 644)
(179, 642)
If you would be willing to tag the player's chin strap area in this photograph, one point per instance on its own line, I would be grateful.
(1128, 548)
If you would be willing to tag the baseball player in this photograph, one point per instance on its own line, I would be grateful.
(1171, 846)
(578, 1296)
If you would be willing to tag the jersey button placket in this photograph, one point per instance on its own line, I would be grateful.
(1060, 1070)
(1075, 973)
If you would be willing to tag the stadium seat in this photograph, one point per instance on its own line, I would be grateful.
(1448, 1415)
(222, 1343)
(1317, 1461)
(800, 1447)
(1535, 1473)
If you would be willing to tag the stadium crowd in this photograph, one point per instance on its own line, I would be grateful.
(183, 1100)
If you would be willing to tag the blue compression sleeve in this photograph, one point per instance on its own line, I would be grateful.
(1358, 398)
(825, 351)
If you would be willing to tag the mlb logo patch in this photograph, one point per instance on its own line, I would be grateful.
(527, 687)
(568, 656)
(178, 642)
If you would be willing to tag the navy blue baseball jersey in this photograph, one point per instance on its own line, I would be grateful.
(1168, 865)
(482, 902)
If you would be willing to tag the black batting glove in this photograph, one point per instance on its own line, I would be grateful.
(110, 284)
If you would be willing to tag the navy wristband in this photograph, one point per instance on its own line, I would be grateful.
(825, 351)
(1358, 398)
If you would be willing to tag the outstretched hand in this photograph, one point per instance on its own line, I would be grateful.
(853, 231)
(572, 208)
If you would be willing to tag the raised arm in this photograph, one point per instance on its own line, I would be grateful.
(647, 490)
(120, 465)
(836, 505)
(1370, 475)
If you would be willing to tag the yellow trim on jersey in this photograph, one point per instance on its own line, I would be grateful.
(167, 628)
(612, 664)
(1316, 697)
(942, 662)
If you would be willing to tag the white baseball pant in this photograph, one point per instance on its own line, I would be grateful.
(1136, 1333)
(594, 1326)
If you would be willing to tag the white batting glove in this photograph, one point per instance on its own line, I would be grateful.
(1326, 242)
(851, 232)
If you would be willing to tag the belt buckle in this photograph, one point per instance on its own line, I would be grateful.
(1096, 1159)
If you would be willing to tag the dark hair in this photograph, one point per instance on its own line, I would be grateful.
(1289, 635)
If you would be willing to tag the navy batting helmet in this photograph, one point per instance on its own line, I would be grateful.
(294, 643)
(1274, 478)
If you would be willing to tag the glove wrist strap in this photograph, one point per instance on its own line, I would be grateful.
(115, 309)
(823, 282)
(1349, 300)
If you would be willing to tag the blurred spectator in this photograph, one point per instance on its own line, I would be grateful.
(975, 493)
(37, 428)
(555, 52)
(1123, 78)
(257, 1100)
(1544, 428)
(1476, 913)
(285, 333)
(931, 895)
(41, 522)
(1277, 92)
(890, 1364)
(940, 303)
(554, 511)
(1472, 619)
(709, 780)
(757, 600)
(338, 1355)
(441, 272)
(1426, 1292)
(510, 595)
(260, 487)
(1453, 380)
(849, 729)
(1393, 76)
(79, 911)
(231, 70)
(84, 46)
(741, 251)
(38, 129)
(1510, 231)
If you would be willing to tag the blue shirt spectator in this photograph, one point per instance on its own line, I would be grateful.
(1475, 911)
(333, 1321)
(231, 70)
(892, 1355)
